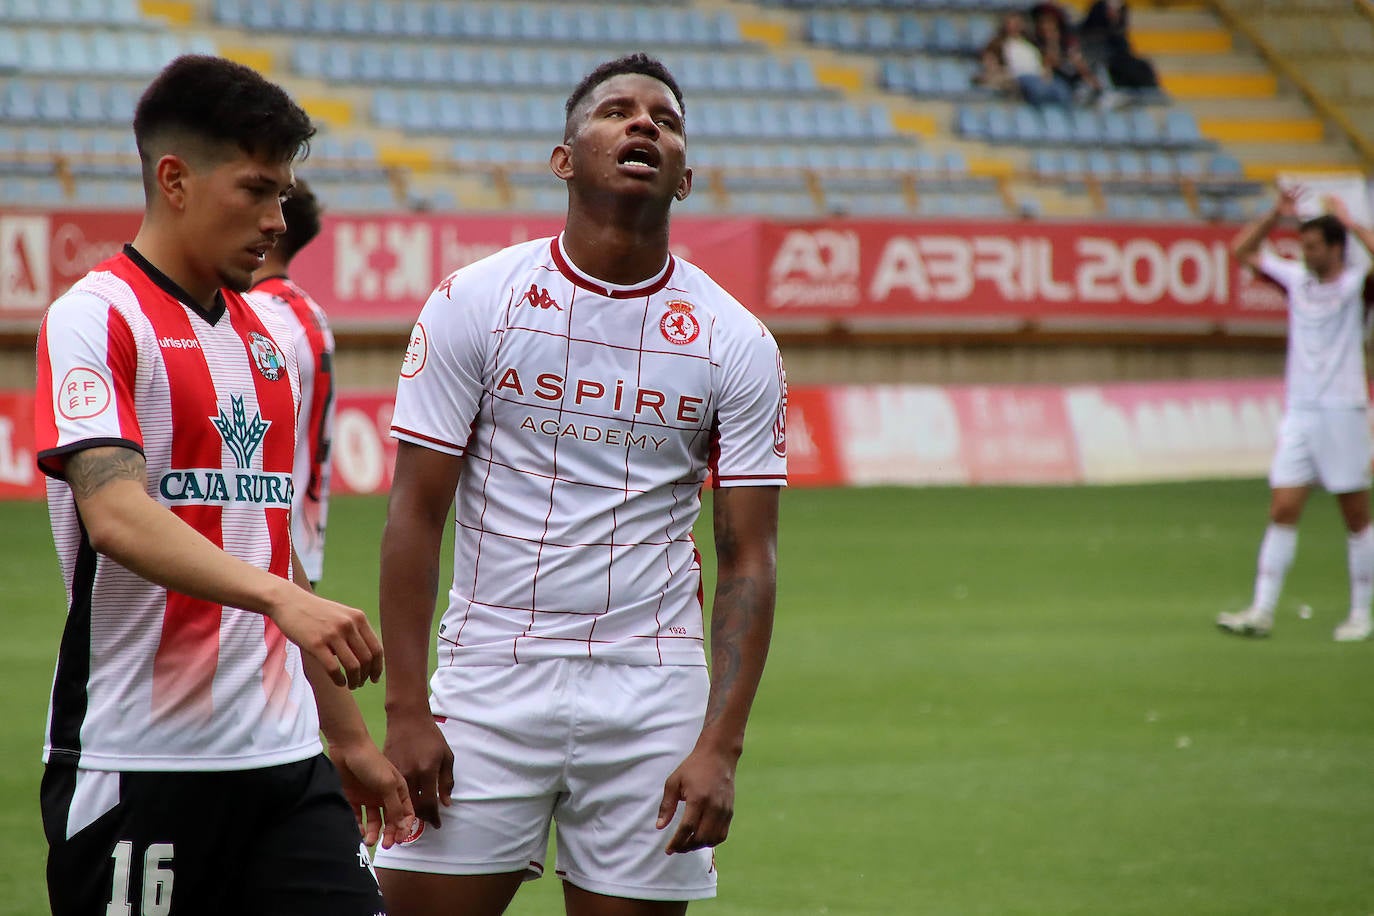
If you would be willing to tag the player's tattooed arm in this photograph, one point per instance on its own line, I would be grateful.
(90, 469)
(746, 526)
(746, 520)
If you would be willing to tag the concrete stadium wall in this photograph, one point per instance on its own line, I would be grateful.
(374, 363)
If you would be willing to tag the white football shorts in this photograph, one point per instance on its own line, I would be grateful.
(582, 743)
(1326, 445)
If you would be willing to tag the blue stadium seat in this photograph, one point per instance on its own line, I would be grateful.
(911, 34)
(1000, 126)
(1087, 129)
(971, 122)
(1181, 130)
(21, 101)
(1189, 165)
(1058, 127)
(945, 36)
(1098, 163)
(1047, 164)
(1130, 166)
(1144, 129)
(1161, 167)
(1116, 129)
(54, 104)
(1027, 128)
(1176, 209)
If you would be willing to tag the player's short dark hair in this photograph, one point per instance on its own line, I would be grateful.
(220, 103)
(639, 62)
(301, 210)
(1331, 228)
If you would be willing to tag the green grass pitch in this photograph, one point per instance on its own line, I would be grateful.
(984, 701)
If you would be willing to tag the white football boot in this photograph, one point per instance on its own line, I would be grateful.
(1355, 628)
(1249, 622)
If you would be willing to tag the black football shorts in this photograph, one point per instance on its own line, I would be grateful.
(276, 841)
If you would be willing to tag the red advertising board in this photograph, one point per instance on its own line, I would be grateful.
(19, 475)
(376, 271)
(1098, 271)
(898, 434)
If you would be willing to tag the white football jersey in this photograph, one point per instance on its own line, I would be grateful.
(588, 416)
(1325, 334)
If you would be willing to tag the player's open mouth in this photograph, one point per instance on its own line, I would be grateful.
(640, 159)
(259, 252)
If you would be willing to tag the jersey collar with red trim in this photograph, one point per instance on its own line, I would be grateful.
(578, 278)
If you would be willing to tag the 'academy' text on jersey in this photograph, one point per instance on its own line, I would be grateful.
(587, 425)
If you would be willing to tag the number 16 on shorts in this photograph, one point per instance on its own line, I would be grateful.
(157, 880)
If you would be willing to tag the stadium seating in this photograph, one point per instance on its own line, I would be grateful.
(435, 90)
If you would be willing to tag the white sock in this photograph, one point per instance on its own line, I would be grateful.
(1276, 555)
(1360, 550)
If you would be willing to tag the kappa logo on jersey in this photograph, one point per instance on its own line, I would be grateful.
(678, 324)
(84, 394)
(538, 297)
(417, 352)
(218, 487)
(266, 356)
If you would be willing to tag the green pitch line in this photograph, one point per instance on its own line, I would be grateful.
(989, 701)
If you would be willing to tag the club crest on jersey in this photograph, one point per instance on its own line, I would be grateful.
(415, 833)
(678, 324)
(266, 356)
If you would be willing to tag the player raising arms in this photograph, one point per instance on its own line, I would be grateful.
(575, 391)
(184, 767)
(1324, 437)
(315, 353)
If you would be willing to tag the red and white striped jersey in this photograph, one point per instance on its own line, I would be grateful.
(149, 679)
(314, 344)
(588, 416)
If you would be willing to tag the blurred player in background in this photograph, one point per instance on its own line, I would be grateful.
(1324, 437)
(184, 768)
(575, 391)
(315, 352)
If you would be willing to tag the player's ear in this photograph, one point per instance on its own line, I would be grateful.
(560, 161)
(171, 174)
(684, 186)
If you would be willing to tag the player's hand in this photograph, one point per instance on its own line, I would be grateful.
(1337, 208)
(377, 792)
(421, 753)
(705, 785)
(338, 636)
(1287, 202)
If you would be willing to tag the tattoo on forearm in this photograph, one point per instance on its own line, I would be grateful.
(732, 617)
(90, 470)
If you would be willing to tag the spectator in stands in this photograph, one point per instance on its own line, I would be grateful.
(1105, 34)
(1011, 62)
(1059, 49)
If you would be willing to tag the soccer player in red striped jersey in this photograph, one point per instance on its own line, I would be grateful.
(576, 391)
(314, 344)
(184, 770)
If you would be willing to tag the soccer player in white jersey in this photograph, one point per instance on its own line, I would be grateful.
(184, 771)
(314, 344)
(1324, 437)
(575, 391)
